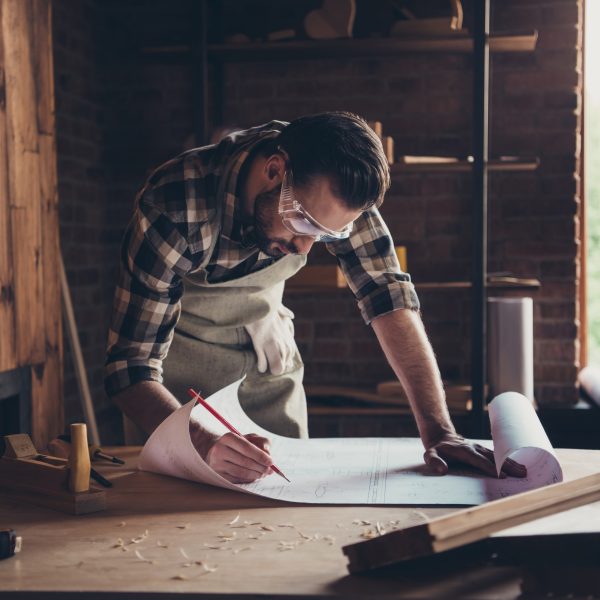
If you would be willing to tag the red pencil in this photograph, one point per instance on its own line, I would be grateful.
(227, 424)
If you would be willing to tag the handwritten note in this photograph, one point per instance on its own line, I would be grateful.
(357, 470)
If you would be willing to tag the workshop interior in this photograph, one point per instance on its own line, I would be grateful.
(487, 115)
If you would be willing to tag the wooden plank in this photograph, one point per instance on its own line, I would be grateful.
(47, 415)
(456, 42)
(8, 355)
(377, 47)
(24, 172)
(472, 524)
(411, 163)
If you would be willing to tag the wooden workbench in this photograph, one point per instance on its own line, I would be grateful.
(80, 556)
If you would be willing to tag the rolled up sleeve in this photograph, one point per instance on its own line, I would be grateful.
(369, 263)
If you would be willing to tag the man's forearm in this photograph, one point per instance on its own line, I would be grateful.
(149, 403)
(404, 341)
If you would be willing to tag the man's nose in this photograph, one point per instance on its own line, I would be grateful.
(303, 243)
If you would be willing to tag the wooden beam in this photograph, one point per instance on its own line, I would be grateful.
(24, 177)
(472, 524)
(47, 415)
(8, 355)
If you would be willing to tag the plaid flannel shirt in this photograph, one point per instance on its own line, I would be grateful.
(174, 224)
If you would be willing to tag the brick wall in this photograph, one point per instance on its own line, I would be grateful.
(424, 102)
(119, 114)
(117, 117)
(80, 120)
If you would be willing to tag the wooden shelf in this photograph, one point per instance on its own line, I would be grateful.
(351, 400)
(500, 283)
(504, 283)
(448, 164)
(385, 46)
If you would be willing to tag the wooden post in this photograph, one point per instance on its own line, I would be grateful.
(29, 245)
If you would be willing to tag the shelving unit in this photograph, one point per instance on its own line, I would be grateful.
(480, 44)
(434, 164)
(524, 41)
(507, 283)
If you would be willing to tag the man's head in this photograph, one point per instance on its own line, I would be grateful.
(343, 148)
(322, 173)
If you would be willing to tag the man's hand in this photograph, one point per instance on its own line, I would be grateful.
(454, 449)
(240, 459)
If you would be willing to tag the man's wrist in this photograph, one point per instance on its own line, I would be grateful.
(201, 438)
(433, 433)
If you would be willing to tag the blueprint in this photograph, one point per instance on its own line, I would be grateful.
(358, 470)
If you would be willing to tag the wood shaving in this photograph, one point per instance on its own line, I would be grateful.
(207, 568)
(291, 525)
(161, 545)
(418, 513)
(380, 529)
(368, 534)
(252, 523)
(329, 538)
(303, 535)
(119, 543)
(179, 577)
(143, 559)
(234, 521)
(227, 537)
(125, 548)
(267, 528)
(186, 526)
(213, 547)
(184, 554)
(238, 550)
(139, 538)
(254, 537)
(122, 524)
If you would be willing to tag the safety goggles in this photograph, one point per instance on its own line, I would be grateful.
(298, 220)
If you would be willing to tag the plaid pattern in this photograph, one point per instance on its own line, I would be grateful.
(174, 225)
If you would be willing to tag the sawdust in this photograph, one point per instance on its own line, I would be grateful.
(234, 520)
(144, 559)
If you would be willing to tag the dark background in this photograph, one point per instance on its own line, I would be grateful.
(120, 113)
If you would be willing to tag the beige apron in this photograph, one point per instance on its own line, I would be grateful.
(211, 348)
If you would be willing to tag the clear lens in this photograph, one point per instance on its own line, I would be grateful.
(297, 220)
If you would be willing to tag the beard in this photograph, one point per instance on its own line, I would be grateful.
(265, 214)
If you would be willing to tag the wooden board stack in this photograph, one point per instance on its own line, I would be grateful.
(470, 525)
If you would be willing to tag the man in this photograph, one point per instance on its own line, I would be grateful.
(214, 235)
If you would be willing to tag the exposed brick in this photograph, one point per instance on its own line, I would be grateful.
(117, 119)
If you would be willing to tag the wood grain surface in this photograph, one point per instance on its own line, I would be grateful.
(176, 523)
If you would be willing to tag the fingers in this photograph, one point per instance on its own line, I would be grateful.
(237, 459)
(513, 468)
(476, 456)
(260, 442)
(436, 464)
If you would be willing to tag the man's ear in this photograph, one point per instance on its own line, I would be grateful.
(275, 168)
